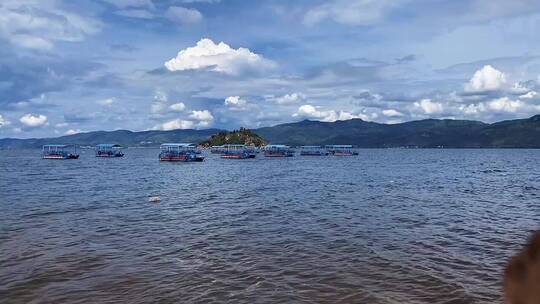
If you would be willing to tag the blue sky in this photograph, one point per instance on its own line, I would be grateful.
(76, 66)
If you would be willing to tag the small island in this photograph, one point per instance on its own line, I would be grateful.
(242, 136)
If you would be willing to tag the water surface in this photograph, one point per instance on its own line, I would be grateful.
(388, 226)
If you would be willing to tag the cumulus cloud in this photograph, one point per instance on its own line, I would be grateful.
(350, 12)
(37, 25)
(177, 107)
(207, 55)
(498, 105)
(391, 113)
(106, 102)
(505, 104)
(3, 122)
(486, 79)
(196, 120)
(159, 103)
(73, 131)
(312, 112)
(235, 102)
(31, 120)
(175, 124)
(183, 15)
(290, 98)
(428, 106)
(529, 95)
(203, 115)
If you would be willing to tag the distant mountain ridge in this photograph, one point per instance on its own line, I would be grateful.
(428, 133)
(122, 137)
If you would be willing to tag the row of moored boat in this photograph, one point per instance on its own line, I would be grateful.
(187, 152)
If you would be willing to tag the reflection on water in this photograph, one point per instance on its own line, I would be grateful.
(388, 226)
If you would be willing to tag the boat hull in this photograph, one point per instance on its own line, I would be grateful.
(71, 156)
(181, 158)
(278, 154)
(313, 153)
(110, 156)
(237, 156)
(345, 153)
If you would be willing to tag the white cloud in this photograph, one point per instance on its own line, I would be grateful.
(290, 98)
(428, 106)
(175, 124)
(519, 88)
(218, 57)
(235, 102)
(504, 104)
(529, 95)
(177, 107)
(197, 119)
(30, 120)
(472, 109)
(61, 125)
(350, 12)
(136, 13)
(3, 122)
(312, 112)
(72, 131)
(38, 24)
(486, 79)
(183, 15)
(343, 115)
(309, 111)
(203, 115)
(106, 102)
(160, 102)
(391, 113)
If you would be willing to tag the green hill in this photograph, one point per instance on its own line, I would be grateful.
(428, 133)
(240, 137)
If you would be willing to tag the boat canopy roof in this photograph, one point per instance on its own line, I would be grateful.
(339, 146)
(108, 146)
(277, 146)
(57, 146)
(233, 146)
(177, 145)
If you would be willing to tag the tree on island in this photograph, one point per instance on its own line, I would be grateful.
(242, 136)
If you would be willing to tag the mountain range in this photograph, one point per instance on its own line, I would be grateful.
(428, 133)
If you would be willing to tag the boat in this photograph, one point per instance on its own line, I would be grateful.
(185, 152)
(313, 151)
(109, 150)
(59, 152)
(216, 149)
(341, 150)
(278, 151)
(238, 152)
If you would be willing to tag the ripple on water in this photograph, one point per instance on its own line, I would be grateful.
(388, 226)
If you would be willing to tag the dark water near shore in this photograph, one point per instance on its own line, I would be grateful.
(388, 226)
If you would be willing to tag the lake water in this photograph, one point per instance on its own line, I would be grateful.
(387, 226)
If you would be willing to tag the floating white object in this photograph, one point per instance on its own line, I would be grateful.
(154, 199)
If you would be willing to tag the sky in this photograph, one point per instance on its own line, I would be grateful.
(77, 66)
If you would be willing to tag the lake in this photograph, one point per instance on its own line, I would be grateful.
(387, 226)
